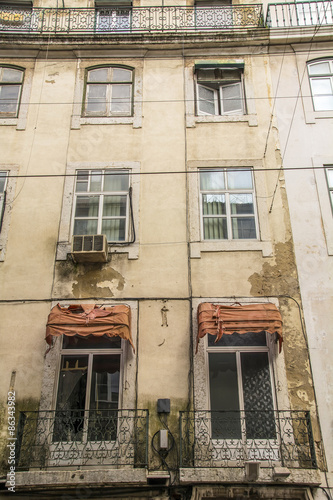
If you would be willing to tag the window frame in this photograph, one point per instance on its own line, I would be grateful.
(15, 114)
(109, 84)
(228, 216)
(218, 92)
(328, 76)
(3, 196)
(218, 349)
(330, 188)
(91, 353)
(101, 194)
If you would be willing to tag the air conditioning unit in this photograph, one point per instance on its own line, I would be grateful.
(90, 248)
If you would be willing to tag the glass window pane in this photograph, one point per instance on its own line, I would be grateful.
(213, 204)
(321, 86)
(236, 339)
(90, 342)
(96, 99)
(98, 75)
(323, 103)
(212, 181)
(114, 229)
(241, 204)
(330, 177)
(121, 99)
(116, 181)
(104, 398)
(9, 96)
(3, 177)
(321, 68)
(71, 400)
(96, 181)
(206, 100)
(232, 98)
(224, 397)
(121, 75)
(85, 226)
(11, 75)
(239, 179)
(257, 393)
(82, 181)
(87, 206)
(243, 228)
(114, 206)
(215, 228)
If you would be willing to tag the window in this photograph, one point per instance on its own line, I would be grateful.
(88, 395)
(321, 83)
(108, 92)
(11, 80)
(220, 91)
(3, 183)
(101, 204)
(113, 18)
(329, 176)
(227, 204)
(240, 387)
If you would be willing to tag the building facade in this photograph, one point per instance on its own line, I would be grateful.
(153, 338)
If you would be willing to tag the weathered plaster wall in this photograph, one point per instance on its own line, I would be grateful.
(305, 142)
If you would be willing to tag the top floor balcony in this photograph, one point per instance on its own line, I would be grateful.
(299, 14)
(127, 20)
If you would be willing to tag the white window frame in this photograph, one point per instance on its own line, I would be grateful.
(227, 192)
(68, 206)
(110, 85)
(101, 195)
(9, 84)
(6, 208)
(330, 187)
(218, 95)
(326, 76)
(79, 119)
(191, 92)
(90, 353)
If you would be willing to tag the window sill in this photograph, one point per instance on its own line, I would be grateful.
(230, 246)
(251, 119)
(132, 249)
(135, 121)
(8, 121)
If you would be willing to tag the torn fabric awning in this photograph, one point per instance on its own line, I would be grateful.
(84, 320)
(218, 320)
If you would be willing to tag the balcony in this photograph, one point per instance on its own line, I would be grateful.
(122, 20)
(227, 439)
(76, 438)
(300, 14)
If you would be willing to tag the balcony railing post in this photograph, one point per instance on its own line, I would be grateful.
(180, 439)
(311, 440)
(19, 437)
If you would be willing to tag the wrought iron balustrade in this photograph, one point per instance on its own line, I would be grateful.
(117, 20)
(230, 438)
(79, 437)
(282, 15)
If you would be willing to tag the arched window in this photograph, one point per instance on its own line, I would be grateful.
(108, 91)
(321, 83)
(11, 80)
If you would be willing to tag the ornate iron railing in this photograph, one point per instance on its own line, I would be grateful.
(78, 437)
(117, 20)
(229, 439)
(282, 15)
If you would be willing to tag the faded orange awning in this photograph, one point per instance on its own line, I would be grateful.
(218, 320)
(84, 320)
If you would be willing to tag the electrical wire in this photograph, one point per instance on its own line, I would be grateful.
(177, 172)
